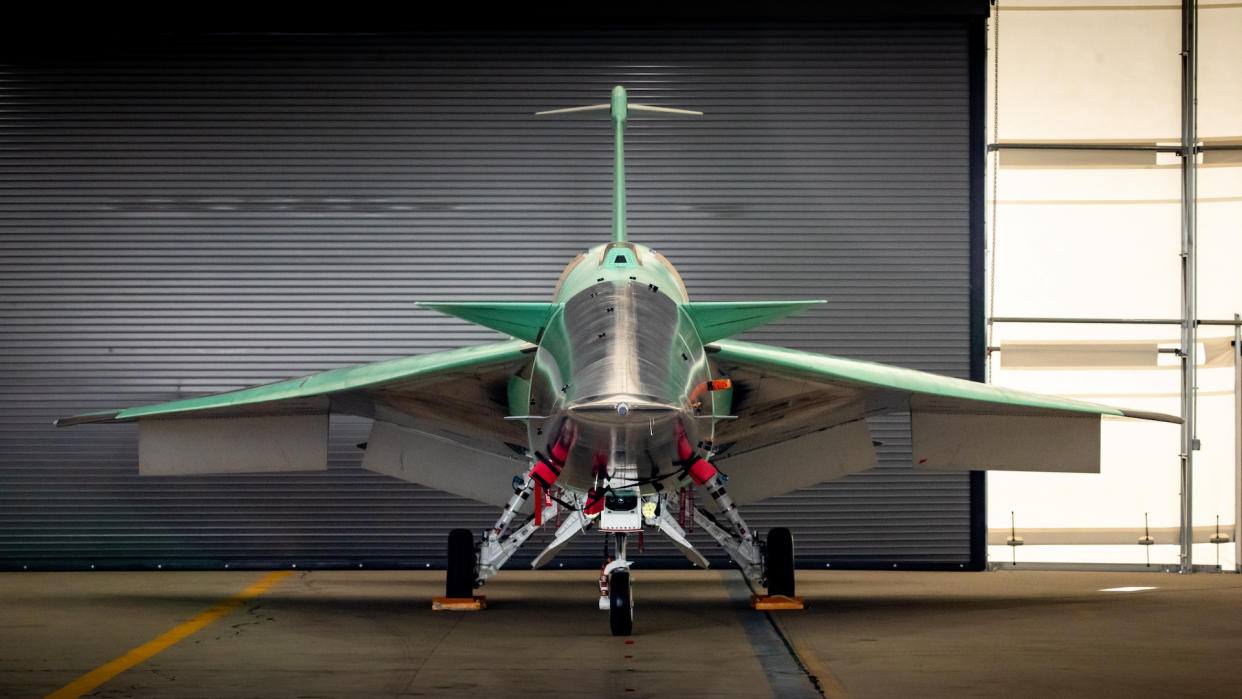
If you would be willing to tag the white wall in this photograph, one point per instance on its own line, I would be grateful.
(1097, 235)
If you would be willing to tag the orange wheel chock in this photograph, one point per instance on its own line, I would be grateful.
(459, 604)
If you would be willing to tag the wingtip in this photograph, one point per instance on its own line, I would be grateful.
(101, 416)
(1148, 415)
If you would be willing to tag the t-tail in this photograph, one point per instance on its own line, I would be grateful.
(619, 109)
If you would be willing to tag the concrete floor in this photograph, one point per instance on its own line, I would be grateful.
(864, 634)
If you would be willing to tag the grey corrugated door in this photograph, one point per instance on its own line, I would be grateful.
(190, 215)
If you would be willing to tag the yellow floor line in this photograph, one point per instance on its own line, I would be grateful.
(828, 684)
(105, 672)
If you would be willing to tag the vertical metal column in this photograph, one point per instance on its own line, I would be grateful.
(1237, 442)
(1189, 310)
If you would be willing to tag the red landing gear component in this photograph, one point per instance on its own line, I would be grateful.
(603, 585)
(547, 470)
(699, 469)
(594, 502)
(685, 511)
(702, 471)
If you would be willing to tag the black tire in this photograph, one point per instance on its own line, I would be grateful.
(621, 604)
(459, 577)
(779, 562)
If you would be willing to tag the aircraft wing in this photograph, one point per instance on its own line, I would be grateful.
(801, 419)
(425, 408)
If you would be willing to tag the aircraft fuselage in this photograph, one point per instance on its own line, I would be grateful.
(619, 371)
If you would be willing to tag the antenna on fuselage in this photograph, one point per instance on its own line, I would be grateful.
(619, 109)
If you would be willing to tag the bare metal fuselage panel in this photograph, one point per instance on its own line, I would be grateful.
(617, 367)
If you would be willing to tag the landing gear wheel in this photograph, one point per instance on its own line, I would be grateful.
(779, 562)
(621, 604)
(460, 575)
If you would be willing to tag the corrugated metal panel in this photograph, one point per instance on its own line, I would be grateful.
(191, 215)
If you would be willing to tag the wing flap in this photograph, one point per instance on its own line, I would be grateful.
(798, 463)
(273, 443)
(438, 461)
(964, 442)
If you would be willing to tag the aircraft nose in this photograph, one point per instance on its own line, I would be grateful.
(621, 409)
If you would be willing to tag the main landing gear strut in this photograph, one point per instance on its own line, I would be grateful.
(767, 563)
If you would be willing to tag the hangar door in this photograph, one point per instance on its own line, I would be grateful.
(184, 215)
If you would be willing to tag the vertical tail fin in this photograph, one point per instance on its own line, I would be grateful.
(619, 109)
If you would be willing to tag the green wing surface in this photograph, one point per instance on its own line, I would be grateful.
(869, 375)
(405, 371)
(800, 418)
(437, 419)
(523, 320)
(716, 320)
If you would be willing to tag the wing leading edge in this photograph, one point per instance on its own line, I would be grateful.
(298, 396)
(822, 368)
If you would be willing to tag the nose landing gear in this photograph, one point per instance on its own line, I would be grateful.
(620, 604)
(616, 595)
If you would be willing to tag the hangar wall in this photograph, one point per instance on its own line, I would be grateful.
(1095, 234)
(186, 215)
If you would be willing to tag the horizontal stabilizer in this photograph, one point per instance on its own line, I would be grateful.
(630, 108)
(576, 110)
(519, 319)
(670, 111)
(717, 320)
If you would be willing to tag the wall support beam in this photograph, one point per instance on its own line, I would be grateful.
(1189, 265)
(1237, 443)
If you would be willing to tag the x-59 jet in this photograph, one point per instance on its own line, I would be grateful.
(612, 403)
